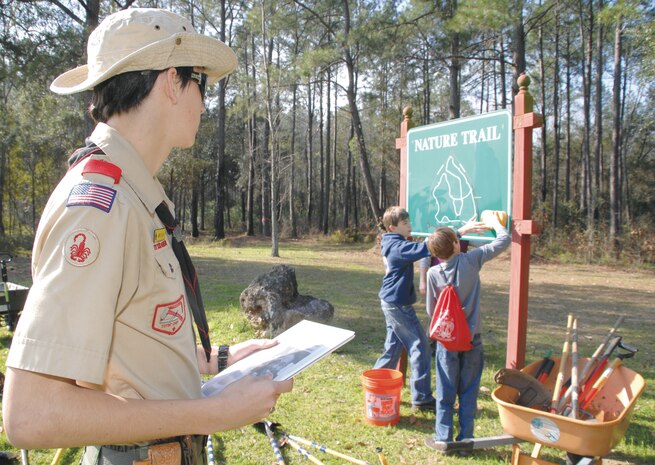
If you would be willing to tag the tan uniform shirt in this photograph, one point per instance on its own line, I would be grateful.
(107, 306)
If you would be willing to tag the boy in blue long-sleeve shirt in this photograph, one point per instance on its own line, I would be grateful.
(397, 296)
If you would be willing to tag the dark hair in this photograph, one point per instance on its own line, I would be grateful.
(125, 91)
(441, 243)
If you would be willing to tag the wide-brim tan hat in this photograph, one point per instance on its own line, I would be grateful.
(139, 39)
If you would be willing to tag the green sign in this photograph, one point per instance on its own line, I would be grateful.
(457, 169)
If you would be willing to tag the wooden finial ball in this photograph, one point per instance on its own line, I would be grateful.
(523, 80)
(408, 112)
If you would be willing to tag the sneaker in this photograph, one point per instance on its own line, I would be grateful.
(439, 446)
(427, 407)
(447, 447)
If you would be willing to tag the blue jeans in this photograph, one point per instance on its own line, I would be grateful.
(404, 330)
(458, 374)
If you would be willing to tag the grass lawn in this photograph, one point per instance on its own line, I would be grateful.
(326, 405)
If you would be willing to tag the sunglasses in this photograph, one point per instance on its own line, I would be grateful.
(201, 79)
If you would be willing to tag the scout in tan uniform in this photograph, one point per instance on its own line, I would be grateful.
(105, 354)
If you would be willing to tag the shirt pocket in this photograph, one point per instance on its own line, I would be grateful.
(167, 262)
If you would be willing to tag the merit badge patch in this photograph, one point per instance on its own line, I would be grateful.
(159, 239)
(81, 247)
(169, 318)
(92, 195)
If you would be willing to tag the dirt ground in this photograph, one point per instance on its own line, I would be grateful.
(596, 295)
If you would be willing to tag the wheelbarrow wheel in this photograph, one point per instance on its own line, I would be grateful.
(574, 459)
(12, 321)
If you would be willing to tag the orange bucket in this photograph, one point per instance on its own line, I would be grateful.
(382, 388)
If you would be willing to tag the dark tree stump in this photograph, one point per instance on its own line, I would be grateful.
(272, 304)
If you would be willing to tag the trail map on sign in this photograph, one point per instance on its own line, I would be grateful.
(453, 194)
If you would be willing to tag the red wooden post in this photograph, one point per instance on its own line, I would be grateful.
(522, 225)
(401, 144)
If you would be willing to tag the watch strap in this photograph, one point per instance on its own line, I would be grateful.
(223, 352)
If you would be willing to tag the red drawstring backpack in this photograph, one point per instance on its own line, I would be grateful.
(448, 325)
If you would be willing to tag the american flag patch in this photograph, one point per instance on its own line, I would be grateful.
(92, 195)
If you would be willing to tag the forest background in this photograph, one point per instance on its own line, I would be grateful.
(300, 139)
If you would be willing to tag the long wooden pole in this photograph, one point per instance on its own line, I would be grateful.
(574, 370)
(562, 366)
(401, 144)
(522, 225)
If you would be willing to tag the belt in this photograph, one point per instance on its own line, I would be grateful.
(179, 450)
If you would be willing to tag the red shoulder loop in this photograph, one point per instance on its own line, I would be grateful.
(96, 166)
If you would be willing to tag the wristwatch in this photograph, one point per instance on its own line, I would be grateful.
(223, 352)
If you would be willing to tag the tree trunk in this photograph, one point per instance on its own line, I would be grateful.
(268, 45)
(598, 122)
(501, 61)
(252, 145)
(92, 20)
(328, 156)
(585, 172)
(624, 181)
(482, 83)
(355, 196)
(543, 184)
(567, 171)
(333, 176)
(250, 196)
(349, 194)
(219, 210)
(4, 145)
(321, 158)
(195, 199)
(427, 86)
(556, 122)
(292, 160)
(203, 199)
(453, 71)
(309, 157)
(518, 46)
(266, 164)
(615, 223)
(351, 93)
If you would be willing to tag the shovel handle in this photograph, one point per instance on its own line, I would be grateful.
(575, 386)
(562, 366)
